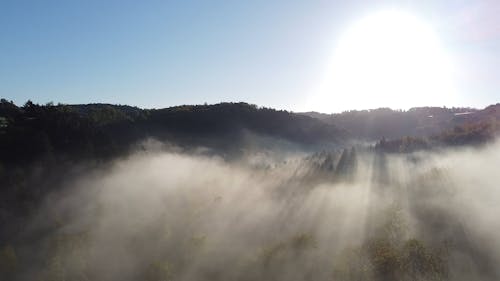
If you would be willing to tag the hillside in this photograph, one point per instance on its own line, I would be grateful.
(103, 130)
(417, 122)
(77, 191)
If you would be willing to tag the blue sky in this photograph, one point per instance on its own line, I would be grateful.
(163, 53)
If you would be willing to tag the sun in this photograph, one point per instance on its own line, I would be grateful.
(388, 59)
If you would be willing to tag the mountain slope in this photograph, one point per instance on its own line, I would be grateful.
(417, 122)
(103, 130)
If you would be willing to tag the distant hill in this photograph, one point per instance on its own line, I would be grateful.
(101, 131)
(381, 123)
(104, 130)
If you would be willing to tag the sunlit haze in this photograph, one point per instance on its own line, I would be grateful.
(258, 140)
(388, 59)
(326, 56)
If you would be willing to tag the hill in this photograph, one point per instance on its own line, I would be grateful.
(104, 130)
(381, 123)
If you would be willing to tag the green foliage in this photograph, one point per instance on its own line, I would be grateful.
(272, 252)
(394, 226)
(302, 242)
(470, 133)
(388, 255)
(198, 241)
(384, 258)
(159, 271)
(352, 264)
(99, 131)
(291, 248)
(403, 145)
(55, 269)
(107, 114)
(418, 261)
(68, 258)
(8, 261)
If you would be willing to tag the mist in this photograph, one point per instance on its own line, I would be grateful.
(163, 214)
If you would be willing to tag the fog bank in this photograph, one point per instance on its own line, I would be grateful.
(161, 215)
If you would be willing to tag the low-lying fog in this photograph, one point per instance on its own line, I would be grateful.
(163, 215)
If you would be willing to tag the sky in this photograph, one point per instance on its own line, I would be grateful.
(156, 54)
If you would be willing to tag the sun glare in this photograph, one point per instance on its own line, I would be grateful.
(389, 59)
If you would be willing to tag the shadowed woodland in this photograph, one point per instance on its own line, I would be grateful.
(237, 192)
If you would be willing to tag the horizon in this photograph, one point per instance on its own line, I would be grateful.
(326, 57)
(249, 140)
(244, 102)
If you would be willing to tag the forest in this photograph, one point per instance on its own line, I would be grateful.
(234, 191)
